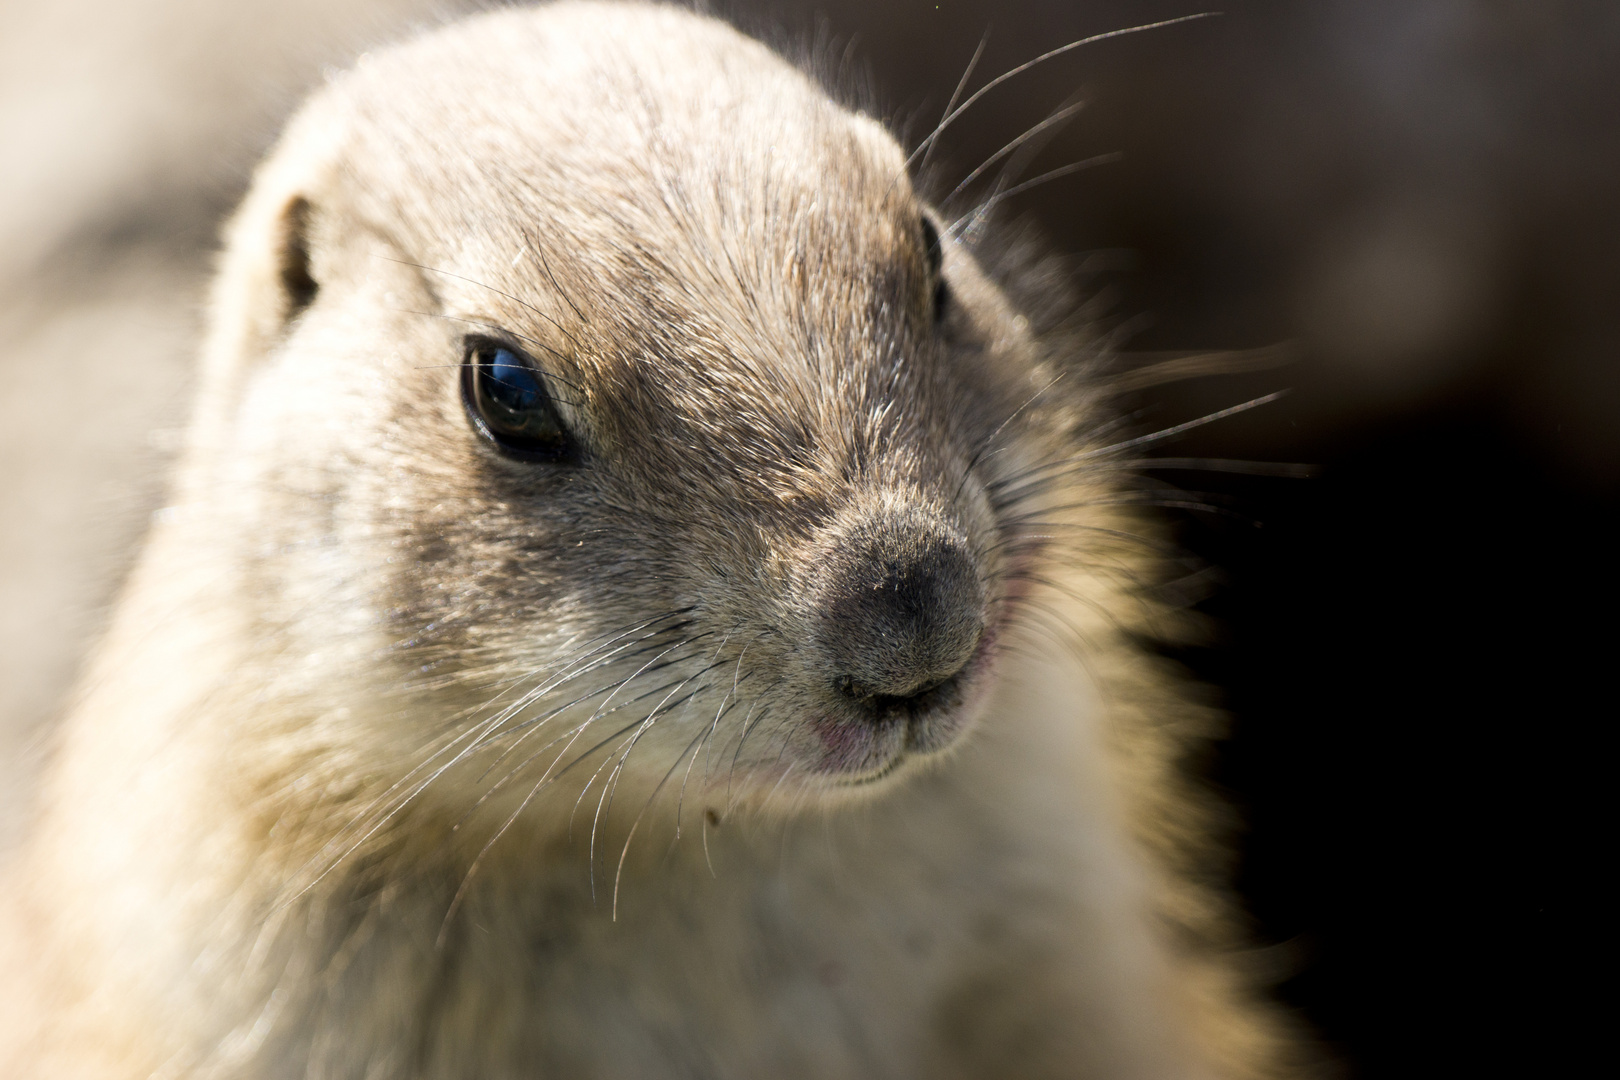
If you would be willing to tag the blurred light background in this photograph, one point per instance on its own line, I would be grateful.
(1421, 194)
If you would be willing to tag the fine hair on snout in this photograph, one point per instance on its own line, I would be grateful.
(899, 606)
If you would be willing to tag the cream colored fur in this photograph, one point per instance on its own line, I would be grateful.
(272, 844)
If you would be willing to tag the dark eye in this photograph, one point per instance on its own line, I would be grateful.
(936, 260)
(507, 401)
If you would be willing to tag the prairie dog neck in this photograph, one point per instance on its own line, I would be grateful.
(831, 903)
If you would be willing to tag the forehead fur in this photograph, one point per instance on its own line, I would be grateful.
(684, 197)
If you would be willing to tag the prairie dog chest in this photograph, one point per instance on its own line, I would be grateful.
(958, 918)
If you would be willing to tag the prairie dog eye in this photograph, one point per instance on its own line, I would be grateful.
(508, 403)
(936, 260)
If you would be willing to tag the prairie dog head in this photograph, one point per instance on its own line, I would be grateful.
(592, 394)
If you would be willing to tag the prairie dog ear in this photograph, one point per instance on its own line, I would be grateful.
(270, 270)
(268, 276)
(291, 252)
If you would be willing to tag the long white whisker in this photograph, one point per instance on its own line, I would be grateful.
(956, 95)
(965, 225)
(1056, 118)
(951, 117)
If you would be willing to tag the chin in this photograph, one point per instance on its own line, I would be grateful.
(856, 753)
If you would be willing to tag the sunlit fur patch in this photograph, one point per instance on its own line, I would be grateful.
(388, 716)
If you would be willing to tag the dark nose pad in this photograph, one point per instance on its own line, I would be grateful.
(901, 611)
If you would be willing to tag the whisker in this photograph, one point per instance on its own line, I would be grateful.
(550, 376)
(466, 881)
(989, 442)
(730, 694)
(498, 292)
(952, 116)
(548, 777)
(725, 707)
(1058, 117)
(533, 724)
(636, 824)
(571, 735)
(581, 665)
(618, 874)
(1170, 432)
(1118, 534)
(540, 253)
(608, 652)
(750, 726)
(1177, 368)
(956, 95)
(495, 327)
(380, 814)
(1281, 469)
(1080, 598)
(605, 804)
(1089, 459)
(964, 224)
(1148, 499)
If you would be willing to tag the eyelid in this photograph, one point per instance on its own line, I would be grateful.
(482, 350)
(558, 389)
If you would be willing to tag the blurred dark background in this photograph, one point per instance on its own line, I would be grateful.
(1424, 197)
(1420, 196)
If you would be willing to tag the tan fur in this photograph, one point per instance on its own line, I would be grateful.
(297, 825)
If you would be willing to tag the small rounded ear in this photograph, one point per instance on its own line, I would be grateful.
(267, 278)
(298, 285)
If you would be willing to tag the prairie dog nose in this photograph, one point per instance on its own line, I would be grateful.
(901, 609)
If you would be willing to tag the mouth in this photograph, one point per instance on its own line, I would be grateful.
(872, 739)
(880, 775)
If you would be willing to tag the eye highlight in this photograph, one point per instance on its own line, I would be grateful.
(508, 403)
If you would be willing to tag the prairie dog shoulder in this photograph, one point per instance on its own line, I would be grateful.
(605, 463)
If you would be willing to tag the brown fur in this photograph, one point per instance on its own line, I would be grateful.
(308, 818)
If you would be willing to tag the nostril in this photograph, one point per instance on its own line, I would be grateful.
(878, 706)
(901, 614)
(850, 688)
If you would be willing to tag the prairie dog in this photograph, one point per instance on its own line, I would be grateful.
(639, 600)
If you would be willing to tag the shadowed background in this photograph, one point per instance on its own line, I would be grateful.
(1421, 196)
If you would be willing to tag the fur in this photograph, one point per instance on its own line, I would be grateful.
(406, 759)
